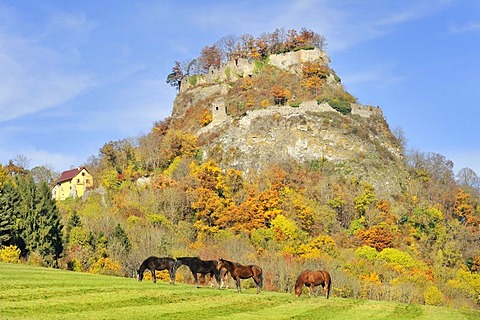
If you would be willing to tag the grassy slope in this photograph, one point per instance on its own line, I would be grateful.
(28, 292)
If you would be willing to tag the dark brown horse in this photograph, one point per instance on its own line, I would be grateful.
(155, 263)
(238, 271)
(311, 279)
(199, 266)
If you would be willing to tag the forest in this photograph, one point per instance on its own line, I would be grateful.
(154, 195)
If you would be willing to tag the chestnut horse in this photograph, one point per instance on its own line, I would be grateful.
(238, 271)
(311, 279)
(155, 263)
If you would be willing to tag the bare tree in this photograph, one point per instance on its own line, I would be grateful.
(227, 47)
(468, 178)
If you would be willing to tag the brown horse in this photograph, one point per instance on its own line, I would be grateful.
(238, 271)
(311, 279)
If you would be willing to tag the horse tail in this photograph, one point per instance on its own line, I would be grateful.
(260, 278)
(329, 287)
(328, 282)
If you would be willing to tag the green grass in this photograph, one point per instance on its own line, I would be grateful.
(28, 292)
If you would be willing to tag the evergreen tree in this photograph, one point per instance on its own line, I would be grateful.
(38, 221)
(47, 237)
(9, 201)
(121, 237)
(73, 222)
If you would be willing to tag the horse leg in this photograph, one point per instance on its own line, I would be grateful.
(172, 272)
(154, 278)
(196, 279)
(237, 283)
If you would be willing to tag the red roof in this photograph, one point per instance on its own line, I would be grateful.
(69, 174)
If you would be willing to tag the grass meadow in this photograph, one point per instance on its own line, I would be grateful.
(29, 292)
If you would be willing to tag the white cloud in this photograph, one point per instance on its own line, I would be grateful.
(34, 77)
(469, 27)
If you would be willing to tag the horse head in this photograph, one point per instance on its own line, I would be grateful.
(220, 264)
(139, 276)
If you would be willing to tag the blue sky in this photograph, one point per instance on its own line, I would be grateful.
(75, 75)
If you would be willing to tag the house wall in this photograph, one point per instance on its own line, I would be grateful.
(75, 187)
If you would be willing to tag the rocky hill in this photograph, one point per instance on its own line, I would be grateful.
(239, 125)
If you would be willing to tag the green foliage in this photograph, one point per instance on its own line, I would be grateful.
(295, 104)
(9, 210)
(342, 106)
(357, 224)
(367, 252)
(397, 257)
(193, 79)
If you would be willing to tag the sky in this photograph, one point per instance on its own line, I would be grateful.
(75, 75)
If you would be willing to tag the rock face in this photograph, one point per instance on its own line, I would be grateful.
(358, 143)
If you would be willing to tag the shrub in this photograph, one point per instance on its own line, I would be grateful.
(105, 266)
(341, 106)
(295, 104)
(396, 257)
(10, 254)
(433, 296)
(367, 252)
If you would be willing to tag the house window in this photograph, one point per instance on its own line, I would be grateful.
(83, 174)
(87, 180)
(78, 180)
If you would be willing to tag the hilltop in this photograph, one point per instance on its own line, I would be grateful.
(249, 127)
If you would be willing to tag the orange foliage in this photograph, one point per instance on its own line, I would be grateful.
(280, 96)
(375, 237)
(464, 209)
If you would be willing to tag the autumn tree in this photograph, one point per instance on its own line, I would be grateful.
(314, 75)
(210, 57)
(280, 95)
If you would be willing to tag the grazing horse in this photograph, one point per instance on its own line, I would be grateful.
(311, 279)
(196, 265)
(238, 271)
(155, 263)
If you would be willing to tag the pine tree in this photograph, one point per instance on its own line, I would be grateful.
(9, 200)
(38, 221)
(47, 238)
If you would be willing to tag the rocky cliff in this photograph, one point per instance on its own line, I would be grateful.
(357, 142)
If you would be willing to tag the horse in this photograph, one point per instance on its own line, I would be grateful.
(238, 271)
(311, 279)
(156, 263)
(197, 265)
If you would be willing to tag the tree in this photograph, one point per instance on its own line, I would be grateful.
(9, 201)
(210, 57)
(47, 236)
(39, 220)
(179, 71)
(43, 173)
(466, 177)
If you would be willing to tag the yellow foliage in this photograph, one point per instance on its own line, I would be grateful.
(10, 254)
(433, 296)
(206, 117)
(105, 266)
(320, 246)
(372, 278)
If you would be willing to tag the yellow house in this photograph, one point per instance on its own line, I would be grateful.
(72, 183)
